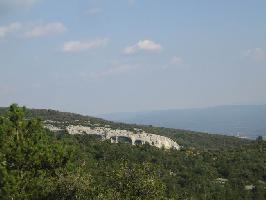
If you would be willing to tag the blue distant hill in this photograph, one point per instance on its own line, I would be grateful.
(241, 120)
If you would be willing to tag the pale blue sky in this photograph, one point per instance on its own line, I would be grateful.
(101, 56)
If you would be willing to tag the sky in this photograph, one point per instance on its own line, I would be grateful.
(103, 56)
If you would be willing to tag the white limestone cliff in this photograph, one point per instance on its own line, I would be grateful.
(140, 137)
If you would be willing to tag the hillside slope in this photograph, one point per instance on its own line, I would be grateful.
(182, 137)
(38, 164)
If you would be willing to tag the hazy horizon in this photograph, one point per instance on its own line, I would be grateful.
(185, 108)
(129, 111)
(95, 56)
(236, 120)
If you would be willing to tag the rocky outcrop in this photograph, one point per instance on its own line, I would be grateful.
(137, 137)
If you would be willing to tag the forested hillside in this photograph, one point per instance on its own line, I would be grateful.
(183, 137)
(38, 164)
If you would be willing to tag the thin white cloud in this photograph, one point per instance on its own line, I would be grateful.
(6, 5)
(112, 71)
(49, 29)
(30, 30)
(115, 70)
(131, 2)
(10, 29)
(143, 45)
(257, 54)
(176, 60)
(77, 46)
(94, 11)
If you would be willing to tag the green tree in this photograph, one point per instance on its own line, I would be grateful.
(31, 162)
(136, 182)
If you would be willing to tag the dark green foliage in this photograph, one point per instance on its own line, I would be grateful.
(32, 163)
(37, 164)
(185, 138)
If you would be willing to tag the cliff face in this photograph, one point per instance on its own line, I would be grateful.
(137, 137)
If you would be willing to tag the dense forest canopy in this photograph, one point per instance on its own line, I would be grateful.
(38, 164)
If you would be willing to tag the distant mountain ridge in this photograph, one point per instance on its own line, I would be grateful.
(242, 120)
